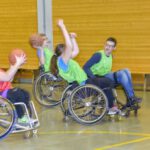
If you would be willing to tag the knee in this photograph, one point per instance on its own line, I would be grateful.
(122, 75)
(126, 70)
(123, 71)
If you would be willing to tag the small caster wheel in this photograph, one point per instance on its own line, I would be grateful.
(128, 113)
(135, 112)
(35, 135)
(35, 131)
(119, 117)
(65, 119)
(27, 134)
(112, 118)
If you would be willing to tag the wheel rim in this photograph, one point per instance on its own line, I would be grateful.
(88, 104)
(7, 117)
(48, 91)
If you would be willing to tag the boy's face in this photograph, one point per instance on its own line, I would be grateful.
(109, 47)
(45, 41)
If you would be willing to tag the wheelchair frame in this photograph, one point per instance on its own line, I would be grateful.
(15, 127)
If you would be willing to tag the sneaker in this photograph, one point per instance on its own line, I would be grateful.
(133, 101)
(114, 110)
(136, 99)
(26, 120)
(111, 112)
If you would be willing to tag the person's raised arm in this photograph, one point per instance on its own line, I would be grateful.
(68, 45)
(9, 74)
(75, 47)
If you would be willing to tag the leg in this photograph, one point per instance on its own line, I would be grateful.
(124, 78)
(17, 95)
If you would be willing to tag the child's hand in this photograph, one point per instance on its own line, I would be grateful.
(20, 60)
(60, 23)
(73, 35)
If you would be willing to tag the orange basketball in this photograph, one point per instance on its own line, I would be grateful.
(13, 53)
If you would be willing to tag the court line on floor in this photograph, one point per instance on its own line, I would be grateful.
(144, 136)
(123, 143)
(93, 132)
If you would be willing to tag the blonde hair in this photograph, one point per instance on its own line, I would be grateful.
(36, 39)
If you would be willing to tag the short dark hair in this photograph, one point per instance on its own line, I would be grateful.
(112, 39)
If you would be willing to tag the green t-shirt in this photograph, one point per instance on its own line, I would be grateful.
(47, 55)
(104, 66)
(71, 72)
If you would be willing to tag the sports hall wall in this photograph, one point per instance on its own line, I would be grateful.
(95, 20)
(18, 19)
(92, 20)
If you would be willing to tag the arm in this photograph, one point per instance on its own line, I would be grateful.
(74, 44)
(40, 53)
(93, 60)
(68, 45)
(9, 74)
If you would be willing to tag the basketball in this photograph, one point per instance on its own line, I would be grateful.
(13, 53)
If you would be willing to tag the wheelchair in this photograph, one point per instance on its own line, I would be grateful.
(86, 104)
(8, 119)
(48, 89)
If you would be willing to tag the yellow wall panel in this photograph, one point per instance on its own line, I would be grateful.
(18, 19)
(95, 20)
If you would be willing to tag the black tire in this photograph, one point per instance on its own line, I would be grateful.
(64, 100)
(48, 89)
(88, 104)
(7, 117)
(121, 99)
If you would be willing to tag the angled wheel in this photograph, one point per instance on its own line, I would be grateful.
(64, 100)
(7, 117)
(88, 104)
(48, 89)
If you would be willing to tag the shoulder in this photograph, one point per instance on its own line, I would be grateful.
(96, 56)
(62, 64)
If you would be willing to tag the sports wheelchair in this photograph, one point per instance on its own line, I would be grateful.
(87, 104)
(48, 88)
(8, 119)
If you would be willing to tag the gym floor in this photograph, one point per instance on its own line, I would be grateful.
(131, 133)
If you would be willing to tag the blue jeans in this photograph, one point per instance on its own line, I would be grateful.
(124, 79)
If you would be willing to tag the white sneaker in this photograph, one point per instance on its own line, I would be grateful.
(111, 112)
(114, 110)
